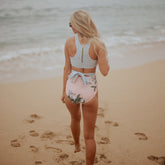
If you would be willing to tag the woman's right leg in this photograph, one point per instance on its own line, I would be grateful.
(75, 113)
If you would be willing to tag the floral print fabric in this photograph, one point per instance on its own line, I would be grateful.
(77, 92)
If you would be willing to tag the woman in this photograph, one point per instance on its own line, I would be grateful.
(83, 52)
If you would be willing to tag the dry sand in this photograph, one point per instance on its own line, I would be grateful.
(130, 128)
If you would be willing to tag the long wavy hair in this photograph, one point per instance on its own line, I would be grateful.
(84, 25)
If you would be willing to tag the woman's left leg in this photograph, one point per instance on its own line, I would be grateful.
(89, 115)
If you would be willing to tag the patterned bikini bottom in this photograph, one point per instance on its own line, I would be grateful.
(81, 88)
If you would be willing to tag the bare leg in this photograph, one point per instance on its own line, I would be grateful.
(75, 113)
(89, 116)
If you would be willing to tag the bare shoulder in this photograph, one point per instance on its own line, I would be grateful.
(100, 48)
(70, 41)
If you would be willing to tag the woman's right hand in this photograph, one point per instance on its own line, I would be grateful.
(63, 98)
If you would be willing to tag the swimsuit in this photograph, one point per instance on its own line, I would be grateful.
(81, 87)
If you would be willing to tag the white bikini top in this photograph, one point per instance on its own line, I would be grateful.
(82, 58)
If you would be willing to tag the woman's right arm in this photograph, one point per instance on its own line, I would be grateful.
(102, 60)
(67, 70)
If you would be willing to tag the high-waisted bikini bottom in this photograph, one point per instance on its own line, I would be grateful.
(78, 92)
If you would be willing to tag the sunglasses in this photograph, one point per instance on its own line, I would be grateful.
(70, 25)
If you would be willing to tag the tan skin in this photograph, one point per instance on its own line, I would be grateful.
(89, 109)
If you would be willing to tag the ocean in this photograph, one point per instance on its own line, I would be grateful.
(33, 33)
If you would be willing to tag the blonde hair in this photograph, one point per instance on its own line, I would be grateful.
(85, 26)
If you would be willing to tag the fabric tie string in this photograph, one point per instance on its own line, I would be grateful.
(75, 75)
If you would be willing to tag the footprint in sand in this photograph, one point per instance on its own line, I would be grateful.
(54, 149)
(48, 135)
(62, 157)
(65, 141)
(102, 156)
(115, 124)
(38, 162)
(15, 143)
(141, 136)
(104, 140)
(100, 112)
(35, 116)
(96, 160)
(33, 133)
(101, 109)
(77, 162)
(32, 118)
(160, 160)
(97, 128)
(34, 149)
(69, 137)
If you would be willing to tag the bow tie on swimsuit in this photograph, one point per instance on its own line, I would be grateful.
(75, 75)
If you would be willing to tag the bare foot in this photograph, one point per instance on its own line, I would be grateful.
(77, 148)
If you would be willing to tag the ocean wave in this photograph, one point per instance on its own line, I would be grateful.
(28, 11)
(131, 39)
(31, 53)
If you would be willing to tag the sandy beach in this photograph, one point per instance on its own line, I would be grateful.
(130, 128)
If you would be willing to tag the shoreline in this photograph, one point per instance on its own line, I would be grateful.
(126, 56)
